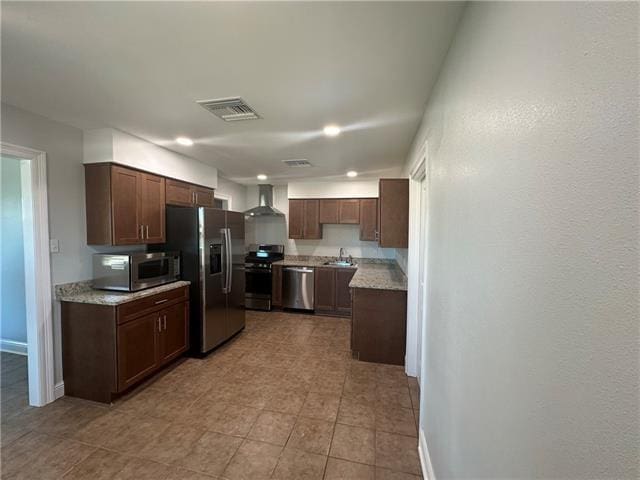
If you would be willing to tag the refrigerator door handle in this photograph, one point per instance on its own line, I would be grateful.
(225, 264)
(229, 260)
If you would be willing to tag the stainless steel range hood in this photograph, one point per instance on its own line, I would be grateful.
(265, 204)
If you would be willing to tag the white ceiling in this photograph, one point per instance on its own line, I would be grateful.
(141, 66)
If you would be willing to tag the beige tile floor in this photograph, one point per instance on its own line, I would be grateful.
(282, 400)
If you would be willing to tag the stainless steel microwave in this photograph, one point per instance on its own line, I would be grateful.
(134, 271)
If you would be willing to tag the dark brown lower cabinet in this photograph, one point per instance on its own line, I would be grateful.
(107, 349)
(276, 286)
(332, 294)
(379, 325)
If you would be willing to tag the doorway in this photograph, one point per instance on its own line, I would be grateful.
(26, 326)
(417, 264)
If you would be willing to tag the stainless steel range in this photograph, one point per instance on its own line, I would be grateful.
(258, 275)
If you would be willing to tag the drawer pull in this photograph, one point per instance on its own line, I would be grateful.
(161, 301)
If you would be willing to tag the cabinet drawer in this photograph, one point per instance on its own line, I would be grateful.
(131, 310)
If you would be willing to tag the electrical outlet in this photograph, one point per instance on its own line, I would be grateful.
(54, 245)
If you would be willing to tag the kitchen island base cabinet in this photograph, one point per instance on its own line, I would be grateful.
(379, 325)
(107, 349)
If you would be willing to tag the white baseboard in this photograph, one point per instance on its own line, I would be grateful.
(58, 390)
(425, 459)
(11, 346)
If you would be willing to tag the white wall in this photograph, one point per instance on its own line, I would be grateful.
(531, 355)
(343, 189)
(237, 193)
(111, 145)
(13, 316)
(275, 230)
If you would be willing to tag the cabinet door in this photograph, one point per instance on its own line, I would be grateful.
(203, 197)
(325, 289)
(329, 211)
(296, 219)
(349, 211)
(368, 219)
(394, 212)
(137, 349)
(178, 193)
(343, 292)
(312, 228)
(152, 207)
(174, 338)
(276, 286)
(125, 193)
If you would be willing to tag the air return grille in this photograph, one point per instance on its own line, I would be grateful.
(297, 163)
(230, 109)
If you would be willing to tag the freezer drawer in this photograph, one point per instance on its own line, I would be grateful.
(297, 288)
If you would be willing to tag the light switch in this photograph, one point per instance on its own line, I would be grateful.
(54, 245)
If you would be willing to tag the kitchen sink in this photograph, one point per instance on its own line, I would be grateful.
(340, 263)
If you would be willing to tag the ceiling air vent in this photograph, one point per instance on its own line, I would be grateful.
(299, 162)
(229, 109)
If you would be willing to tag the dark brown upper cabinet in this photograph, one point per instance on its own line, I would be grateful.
(304, 219)
(312, 227)
(369, 219)
(124, 206)
(349, 211)
(296, 219)
(393, 213)
(329, 210)
(188, 195)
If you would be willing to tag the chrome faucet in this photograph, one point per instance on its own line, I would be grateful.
(341, 257)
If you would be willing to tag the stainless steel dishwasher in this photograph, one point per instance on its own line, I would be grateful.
(297, 288)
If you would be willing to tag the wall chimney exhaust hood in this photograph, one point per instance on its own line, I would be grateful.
(265, 204)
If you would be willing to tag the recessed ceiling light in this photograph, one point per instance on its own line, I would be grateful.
(352, 173)
(331, 130)
(262, 176)
(187, 142)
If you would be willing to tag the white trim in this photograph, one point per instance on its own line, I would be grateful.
(225, 197)
(425, 458)
(37, 274)
(320, 196)
(59, 390)
(11, 346)
(417, 174)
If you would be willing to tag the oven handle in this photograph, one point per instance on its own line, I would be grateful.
(258, 270)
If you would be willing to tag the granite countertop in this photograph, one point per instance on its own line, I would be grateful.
(81, 292)
(373, 273)
(382, 276)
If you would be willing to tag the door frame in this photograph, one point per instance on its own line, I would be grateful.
(225, 197)
(415, 325)
(39, 307)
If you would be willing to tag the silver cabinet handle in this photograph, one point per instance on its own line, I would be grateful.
(141, 232)
(195, 197)
(158, 302)
(147, 229)
(165, 322)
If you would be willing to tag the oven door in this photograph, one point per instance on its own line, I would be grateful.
(152, 269)
(257, 282)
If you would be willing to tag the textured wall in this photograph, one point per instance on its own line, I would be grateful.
(531, 357)
(13, 316)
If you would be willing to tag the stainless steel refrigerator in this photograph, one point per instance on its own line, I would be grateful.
(211, 242)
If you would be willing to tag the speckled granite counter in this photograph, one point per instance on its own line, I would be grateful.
(373, 273)
(81, 292)
(382, 276)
